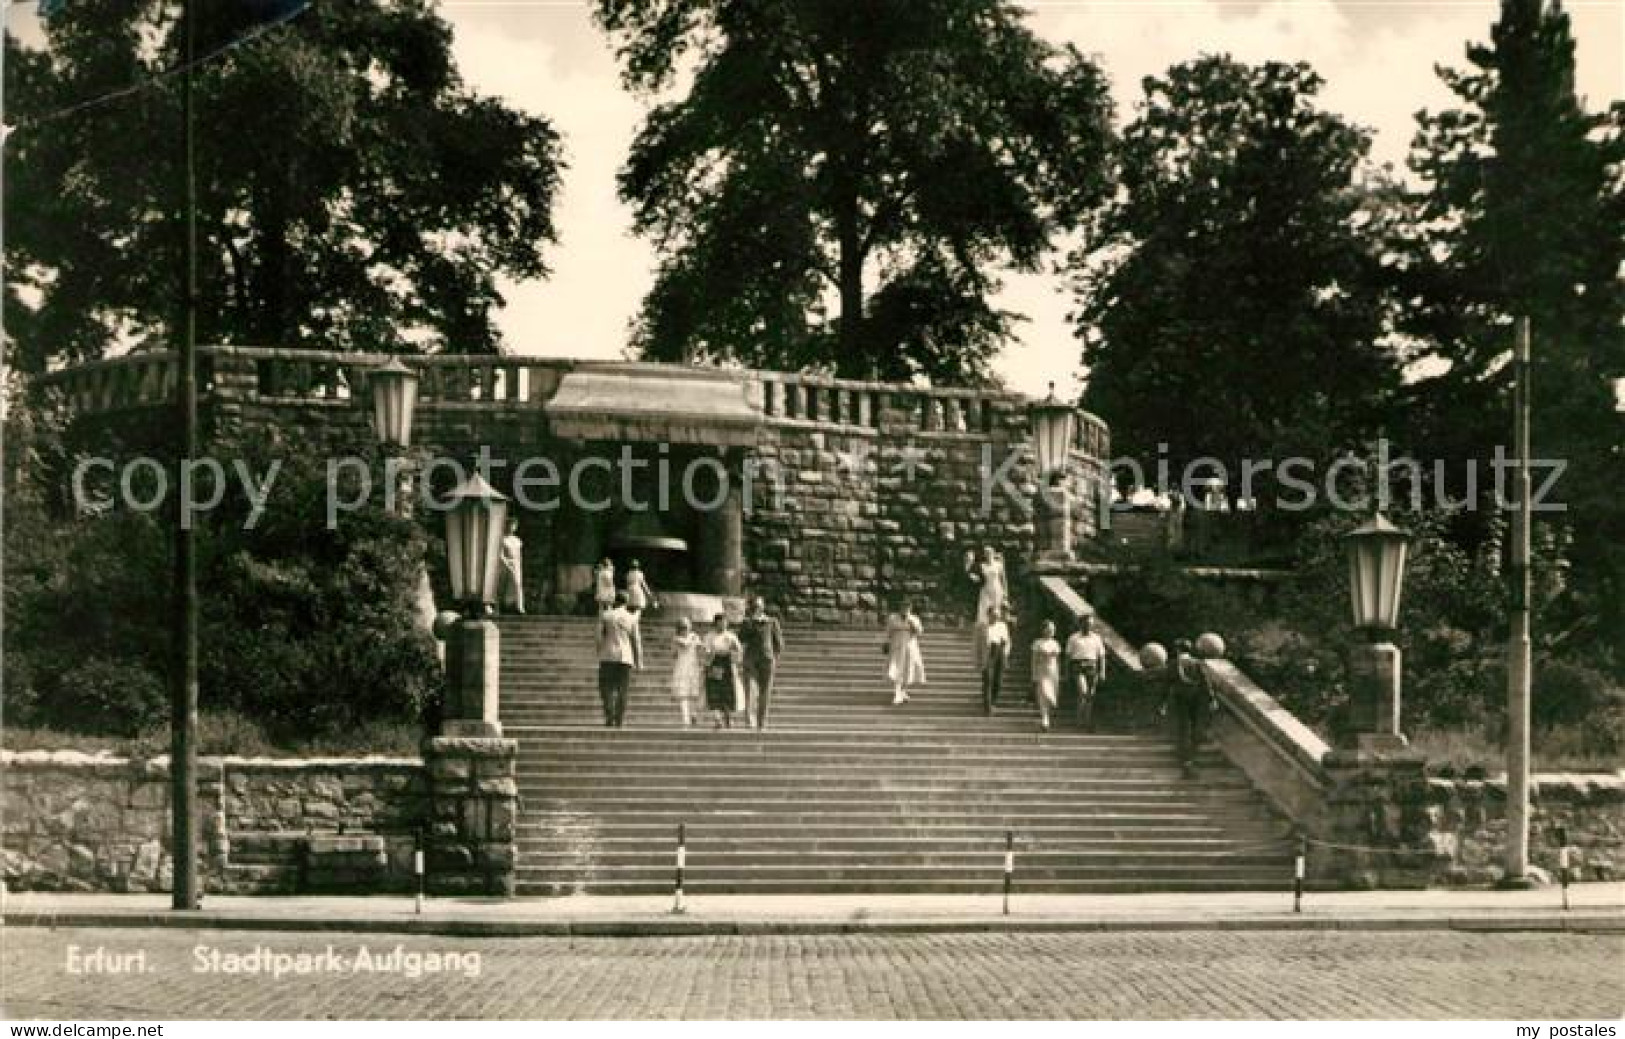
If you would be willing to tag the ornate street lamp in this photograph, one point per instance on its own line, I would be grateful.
(1376, 555)
(474, 529)
(1053, 423)
(475, 525)
(1376, 552)
(394, 389)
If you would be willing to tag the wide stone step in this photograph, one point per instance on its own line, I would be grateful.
(1152, 832)
(763, 780)
(921, 885)
(1031, 862)
(989, 869)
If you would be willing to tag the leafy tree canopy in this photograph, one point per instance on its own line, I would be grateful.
(887, 158)
(353, 193)
(1231, 304)
(1523, 214)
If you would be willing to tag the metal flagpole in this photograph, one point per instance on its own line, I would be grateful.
(183, 720)
(1518, 642)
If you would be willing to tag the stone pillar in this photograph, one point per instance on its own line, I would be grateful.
(1374, 700)
(1376, 830)
(722, 547)
(1054, 510)
(474, 807)
(474, 680)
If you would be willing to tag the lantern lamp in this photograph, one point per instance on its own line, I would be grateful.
(1376, 553)
(394, 389)
(475, 526)
(1053, 424)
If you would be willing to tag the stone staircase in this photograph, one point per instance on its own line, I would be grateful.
(846, 793)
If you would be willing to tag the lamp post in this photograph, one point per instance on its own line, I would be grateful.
(394, 390)
(1376, 555)
(1053, 424)
(475, 524)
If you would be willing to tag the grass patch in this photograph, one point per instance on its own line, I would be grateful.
(1561, 748)
(223, 733)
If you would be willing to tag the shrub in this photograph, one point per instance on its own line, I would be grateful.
(111, 697)
(306, 630)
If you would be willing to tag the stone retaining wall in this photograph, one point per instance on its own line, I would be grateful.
(81, 822)
(1468, 820)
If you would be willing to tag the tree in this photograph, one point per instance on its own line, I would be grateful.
(1523, 214)
(353, 193)
(310, 630)
(1230, 301)
(886, 162)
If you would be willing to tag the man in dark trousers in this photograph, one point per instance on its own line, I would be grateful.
(1190, 698)
(763, 640)
(620, 652)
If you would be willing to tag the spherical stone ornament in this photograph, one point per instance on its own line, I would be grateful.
(1210, 647)
(1153, 657)
(445, 622)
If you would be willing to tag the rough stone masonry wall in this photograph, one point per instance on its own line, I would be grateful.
(80, 822)
(883, 497)
(855, 529)
(1468, 820)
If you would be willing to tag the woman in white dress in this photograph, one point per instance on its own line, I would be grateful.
(639, 596)
(513, 552)
(603, 584)
(1046, 668)
(687, 671)
(905, 666)
(994, 590)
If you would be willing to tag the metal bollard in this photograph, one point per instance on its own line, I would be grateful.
(1563, 862)
(1009, 866)
(1298, 863)
(677, 906)
(417, 866)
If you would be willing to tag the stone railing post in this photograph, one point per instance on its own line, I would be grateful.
(1375, 822)
(474, 810)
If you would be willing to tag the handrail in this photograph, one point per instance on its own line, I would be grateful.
(1261, 714)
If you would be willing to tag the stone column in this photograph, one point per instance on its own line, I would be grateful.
(1054, 512)
(1374, 700)
(722, 546)
(474, 807)
(1376, 830)
(474, 680)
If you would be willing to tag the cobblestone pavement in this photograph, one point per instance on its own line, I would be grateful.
(1204, 974)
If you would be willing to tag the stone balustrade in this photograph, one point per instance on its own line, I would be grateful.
(1378, 820)
(278, 375)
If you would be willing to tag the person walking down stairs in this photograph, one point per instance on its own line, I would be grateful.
(763, 640)
(995, 657)
(724, 688)
(1046, 668)
(905, 666)
(1086, 668)
(687, 671)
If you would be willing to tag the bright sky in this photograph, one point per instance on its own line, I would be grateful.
(1377, 57)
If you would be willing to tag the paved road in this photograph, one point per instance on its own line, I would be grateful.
(1205, 974)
